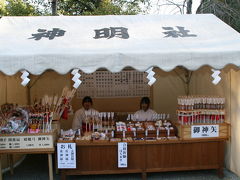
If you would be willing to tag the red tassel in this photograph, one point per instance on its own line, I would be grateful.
(65, 114)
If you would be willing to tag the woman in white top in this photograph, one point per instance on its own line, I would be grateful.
(145, 113)
(79, 120)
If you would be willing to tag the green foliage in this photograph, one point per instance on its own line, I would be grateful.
(77, 7)
(2, 7)
(100, 7)
(132, 6)
(104, 8)
(73, 7)
(42, 7)
(16, 8)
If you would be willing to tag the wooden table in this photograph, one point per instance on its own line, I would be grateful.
(40, 143)
(49, 152)
(144, 157)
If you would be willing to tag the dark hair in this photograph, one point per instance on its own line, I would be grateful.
(87, 99)
(145, 100)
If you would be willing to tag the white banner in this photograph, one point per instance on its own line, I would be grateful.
(66, 153)
(63, 43)
(203, 131)
(122, 155)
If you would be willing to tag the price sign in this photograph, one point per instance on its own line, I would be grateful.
(122, 155)
(66, 153)
(26, 142)
(203, 131)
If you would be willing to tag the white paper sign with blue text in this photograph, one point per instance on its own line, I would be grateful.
(66, 153)
(122, 155)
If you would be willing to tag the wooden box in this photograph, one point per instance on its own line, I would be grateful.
(140, 134)
(184, 131)
(162, 133)
(119, 134)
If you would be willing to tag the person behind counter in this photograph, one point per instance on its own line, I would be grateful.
(79, 120)
(145, 113)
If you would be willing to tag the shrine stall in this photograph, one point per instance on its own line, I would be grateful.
(31, 129)
(122, 55)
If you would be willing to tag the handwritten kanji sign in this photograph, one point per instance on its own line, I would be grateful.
(122, 155)
(202, 131)
(66, 153)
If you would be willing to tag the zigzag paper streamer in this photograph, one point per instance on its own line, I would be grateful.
(216, 77)
(150, 76)
(75, 78)
(24, 77)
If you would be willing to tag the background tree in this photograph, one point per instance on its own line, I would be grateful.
(227, 10)
(102, 7)
(172, 6)
(17, 8)
(2, 8)
(73, 7)
(76, 7)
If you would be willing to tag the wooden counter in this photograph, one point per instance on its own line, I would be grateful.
(143, 157)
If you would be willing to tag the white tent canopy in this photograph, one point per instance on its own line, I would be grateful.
(62, 43)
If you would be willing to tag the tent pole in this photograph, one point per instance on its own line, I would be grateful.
(6, 89)
(28, 95)
(185, 79)
(29, 87)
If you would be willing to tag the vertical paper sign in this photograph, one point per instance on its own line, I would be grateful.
(204, 131)
(66, 153)
(122, 155)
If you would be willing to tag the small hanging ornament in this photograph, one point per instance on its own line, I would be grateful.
(75, 78)
(24, 77)
(150, 76)
(215, 76)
